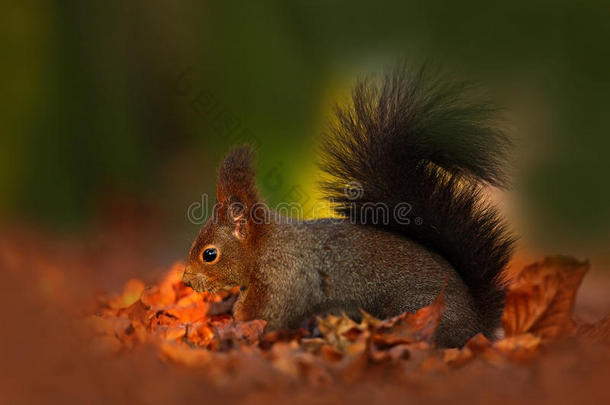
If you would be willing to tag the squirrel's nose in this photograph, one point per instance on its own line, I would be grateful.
(187, 277)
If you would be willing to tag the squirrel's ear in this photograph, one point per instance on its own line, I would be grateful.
(236, 190)
(237, 214)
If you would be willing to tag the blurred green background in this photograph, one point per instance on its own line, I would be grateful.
(120, 111)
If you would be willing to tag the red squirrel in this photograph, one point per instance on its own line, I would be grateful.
(406, 141)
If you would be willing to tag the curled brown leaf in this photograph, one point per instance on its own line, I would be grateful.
(540, 299)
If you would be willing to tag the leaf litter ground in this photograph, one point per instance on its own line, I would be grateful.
(165, 343)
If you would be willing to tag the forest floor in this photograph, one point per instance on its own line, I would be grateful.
(72, 336)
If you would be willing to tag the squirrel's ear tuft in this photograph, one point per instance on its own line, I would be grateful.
(237, 177)
(236, 190)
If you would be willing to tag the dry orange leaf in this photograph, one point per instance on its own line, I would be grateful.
(340, 331)
(540, 300)
(195, 329)
(131, 293)
(519, 348)
(424, 321)
(409, 328)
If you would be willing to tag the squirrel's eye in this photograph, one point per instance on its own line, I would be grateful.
(209, 255)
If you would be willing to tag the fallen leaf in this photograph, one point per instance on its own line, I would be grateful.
(457, 357)
(173, 332)
(200, 334)
(407, 327)
(482, 347)
(540, 299)
(131, 293)
(191, 313)
(137, 313)
(340, 331)
(330, 354)
(521, 348)
(249, 332)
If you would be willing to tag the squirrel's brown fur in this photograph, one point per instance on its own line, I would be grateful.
(408, 141)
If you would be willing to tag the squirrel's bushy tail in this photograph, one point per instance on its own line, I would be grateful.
(412, 142)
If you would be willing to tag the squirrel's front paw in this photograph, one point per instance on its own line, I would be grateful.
(239, 312)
